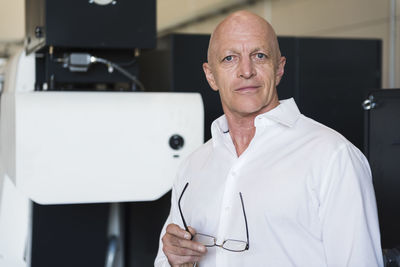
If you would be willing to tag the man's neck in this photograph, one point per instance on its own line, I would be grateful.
(242, 131)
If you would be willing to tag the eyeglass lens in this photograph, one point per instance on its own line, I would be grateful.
(229, 244)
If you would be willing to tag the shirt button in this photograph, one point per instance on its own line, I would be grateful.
(227, 208)
(233, 173)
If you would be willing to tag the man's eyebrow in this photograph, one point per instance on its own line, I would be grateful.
(230, 51)
(226, 53)
(258, 49)
(233, 51)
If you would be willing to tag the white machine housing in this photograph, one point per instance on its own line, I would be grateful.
(84, 147)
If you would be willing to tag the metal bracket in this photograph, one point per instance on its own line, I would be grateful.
(369, 103)
(115, 249)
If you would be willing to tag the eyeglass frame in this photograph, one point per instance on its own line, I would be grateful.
(215, 244)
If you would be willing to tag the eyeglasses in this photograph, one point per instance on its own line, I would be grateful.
(210, 241)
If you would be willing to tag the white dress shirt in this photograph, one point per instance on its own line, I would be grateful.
(307, 193)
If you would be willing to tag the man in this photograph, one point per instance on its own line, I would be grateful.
(272, 187)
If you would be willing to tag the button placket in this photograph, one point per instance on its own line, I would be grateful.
(231, 192)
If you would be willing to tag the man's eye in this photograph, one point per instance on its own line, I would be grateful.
(228, 58)
(260, 55)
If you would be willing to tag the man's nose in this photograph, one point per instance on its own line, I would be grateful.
(246, 68)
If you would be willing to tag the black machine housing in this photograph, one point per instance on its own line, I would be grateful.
(114, 31)
(121, 24)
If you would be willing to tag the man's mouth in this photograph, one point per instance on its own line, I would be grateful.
(249, 88)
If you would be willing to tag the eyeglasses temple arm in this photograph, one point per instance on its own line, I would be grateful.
(180, 210)
(245, 220)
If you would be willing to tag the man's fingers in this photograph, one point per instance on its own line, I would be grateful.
(172, 240)
(181, 251)
(179, 260)
(192, 245)
(175, 230)
(178, 246)
(192, 231)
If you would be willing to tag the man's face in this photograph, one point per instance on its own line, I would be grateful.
(245, 67)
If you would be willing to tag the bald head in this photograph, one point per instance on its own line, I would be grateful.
(244, 23)
(244, 65)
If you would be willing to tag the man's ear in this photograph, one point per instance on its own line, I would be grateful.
(209, 76)
(280, 70)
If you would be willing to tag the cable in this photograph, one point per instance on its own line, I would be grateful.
(80, 62)
(113, 65)
(127, 63)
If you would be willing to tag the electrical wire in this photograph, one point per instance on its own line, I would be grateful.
(127, 63)
(113, 65)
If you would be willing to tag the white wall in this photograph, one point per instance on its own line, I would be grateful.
(12, 20)
(263, 9)
(173, 12)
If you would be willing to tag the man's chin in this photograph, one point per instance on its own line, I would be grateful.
(254, 110)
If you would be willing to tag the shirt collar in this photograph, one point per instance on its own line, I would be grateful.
(286, 113)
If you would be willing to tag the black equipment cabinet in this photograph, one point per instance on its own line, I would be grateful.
(84, 24)
(334, 76)
(69, 235)
(114, 30)
(144, 221)
(77, 234)
(382, 147)
(329, 78)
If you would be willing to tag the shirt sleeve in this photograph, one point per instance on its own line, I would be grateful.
(162, 260)
(348, 213)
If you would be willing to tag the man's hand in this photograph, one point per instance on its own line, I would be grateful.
(179, 249)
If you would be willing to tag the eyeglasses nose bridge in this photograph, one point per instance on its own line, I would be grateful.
(221, 246)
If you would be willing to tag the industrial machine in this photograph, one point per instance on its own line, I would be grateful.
(83, 144)
(382, 147)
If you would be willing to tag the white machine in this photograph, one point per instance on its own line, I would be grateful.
(85, 147)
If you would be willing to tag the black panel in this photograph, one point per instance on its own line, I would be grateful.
(82, 24)
(69, 235)
(144, 221)
(335, 75)
(288, 87)
(383, 147)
